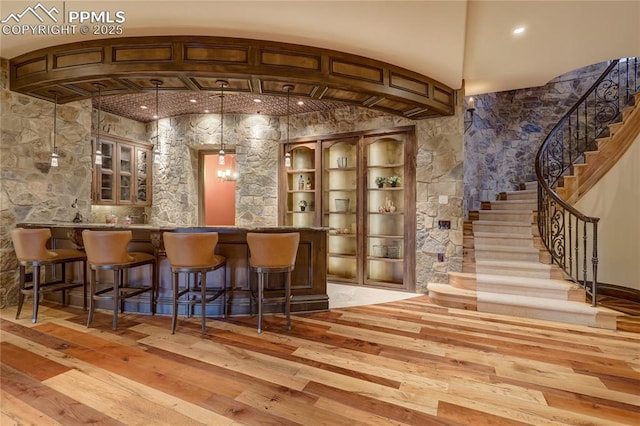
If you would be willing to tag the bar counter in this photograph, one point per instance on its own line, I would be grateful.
(309, 278)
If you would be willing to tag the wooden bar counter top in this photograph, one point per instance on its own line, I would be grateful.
(309, 278)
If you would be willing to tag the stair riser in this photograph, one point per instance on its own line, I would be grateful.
(522, 195)
(458, 302)
(467, 283)
(501, 288)
(506, 216)
(548, 315)
(502, 255)
(525, 241)
(511, 229)
(515, 207)
(510, 271)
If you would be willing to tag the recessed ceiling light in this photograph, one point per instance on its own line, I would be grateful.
(143, 107)
(257, 100)
(193, 101)
(206, 111)
(155, 117)
(300, 103)
(518, 30)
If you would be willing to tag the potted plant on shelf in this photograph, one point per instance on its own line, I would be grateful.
(302, 204)
(393, 181)
(380, 181)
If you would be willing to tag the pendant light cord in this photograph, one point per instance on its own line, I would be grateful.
(55, 120)
(222, 116)
(98, 121)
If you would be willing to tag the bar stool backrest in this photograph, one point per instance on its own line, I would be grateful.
(190, 249)
(107, 247)
(31, 244)
(273, 250)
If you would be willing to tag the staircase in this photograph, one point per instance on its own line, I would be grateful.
(507, 267)
(513, 274)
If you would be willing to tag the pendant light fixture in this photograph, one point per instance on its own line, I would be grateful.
(156, 146)
(287, 155)
(227, 175)
(54, 152)
(98, 155)
(221, 154)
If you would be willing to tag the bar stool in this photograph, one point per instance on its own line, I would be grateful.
(273, 253)
(31, 250)
(194, 253)
(107, 251)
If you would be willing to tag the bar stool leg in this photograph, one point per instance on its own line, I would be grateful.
(287, 302)
(92, 290)
(64, 280)
(20, 293)
(174, 314)
(203, 299)
(154, 289)
(224, 292)
(116, 297)
(260, 294)
(84, 285)
(36, 292)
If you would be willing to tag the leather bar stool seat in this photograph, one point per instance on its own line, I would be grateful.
(272, 253)
(31, 250)
(194, 253)
(107, 251)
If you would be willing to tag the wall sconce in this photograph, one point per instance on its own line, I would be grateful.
(471, 107)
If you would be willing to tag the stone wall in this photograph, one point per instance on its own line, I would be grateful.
(509, 127)
(255, 139)
(30, 189)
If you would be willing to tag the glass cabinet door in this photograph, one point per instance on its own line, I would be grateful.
(385, 215)
(301, 186)
(340, 208)
(125, 174)
(105, 175)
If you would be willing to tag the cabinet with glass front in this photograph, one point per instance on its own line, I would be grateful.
(364, 183)
(123, 176)
(387, 200)
(299, 190)
(341, 207)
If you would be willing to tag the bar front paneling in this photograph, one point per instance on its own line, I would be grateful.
(309, 277)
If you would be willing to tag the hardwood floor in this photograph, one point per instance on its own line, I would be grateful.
(406, 362)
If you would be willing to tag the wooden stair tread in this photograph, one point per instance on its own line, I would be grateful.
(448, 289)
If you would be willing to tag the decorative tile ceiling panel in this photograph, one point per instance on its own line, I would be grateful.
(171, 104)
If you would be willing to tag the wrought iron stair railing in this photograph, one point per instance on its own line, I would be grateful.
(571, 236)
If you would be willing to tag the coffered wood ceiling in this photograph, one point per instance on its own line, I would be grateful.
(179, 63)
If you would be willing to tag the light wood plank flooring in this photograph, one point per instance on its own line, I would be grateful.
(407, 362)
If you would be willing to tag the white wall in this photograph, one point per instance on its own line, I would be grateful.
(615, 199)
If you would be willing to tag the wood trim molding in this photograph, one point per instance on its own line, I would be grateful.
(128, 64)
